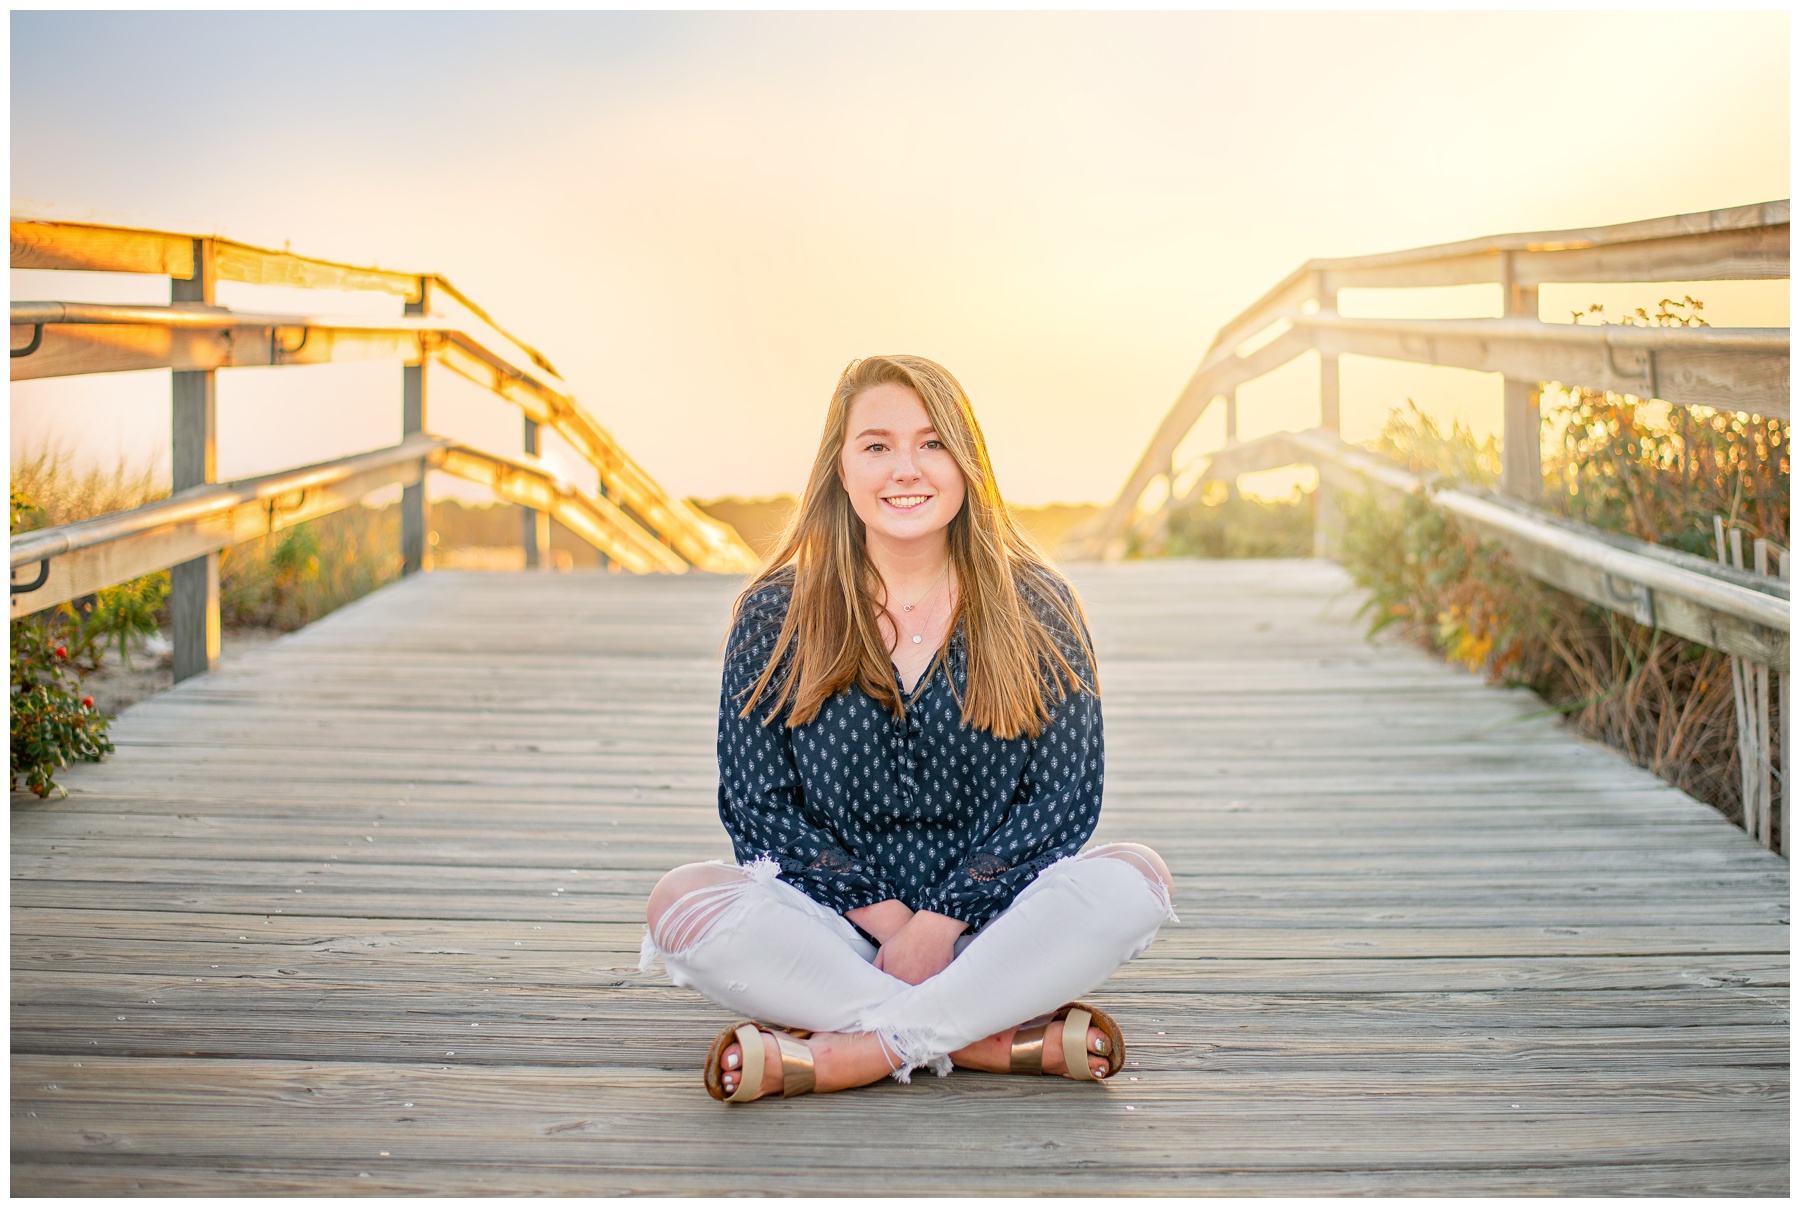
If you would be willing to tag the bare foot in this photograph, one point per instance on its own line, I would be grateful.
(994, 1054)
(840, 1061)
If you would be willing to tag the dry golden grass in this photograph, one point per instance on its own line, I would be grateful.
(1662, 700)
(63, 494)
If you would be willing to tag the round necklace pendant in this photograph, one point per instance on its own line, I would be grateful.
(917, 638)
(908, 607)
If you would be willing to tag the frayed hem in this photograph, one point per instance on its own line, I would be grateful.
(908, 1050)
(648, 953)
(762, 870)
(941, 1066)
(1164, 899)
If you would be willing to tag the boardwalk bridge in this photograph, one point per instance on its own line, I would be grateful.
(358, 912)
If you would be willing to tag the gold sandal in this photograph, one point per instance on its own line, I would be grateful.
(1076, 1017)
(796, 1062)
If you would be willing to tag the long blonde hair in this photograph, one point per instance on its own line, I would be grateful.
(1010, 596)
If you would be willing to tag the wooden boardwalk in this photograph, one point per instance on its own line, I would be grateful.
(360, 914)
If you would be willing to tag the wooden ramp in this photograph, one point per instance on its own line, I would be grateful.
(360, 914)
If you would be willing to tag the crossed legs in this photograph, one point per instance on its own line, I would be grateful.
(761, 948)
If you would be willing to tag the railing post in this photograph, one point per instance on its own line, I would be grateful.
(1521, 442)
(1750, 704)
(1517, 301)
(193, 460)
(1327, 522)
(1328, 393)
(1784, 702)
(1231, 435)
(1324, 292)
(1521, 431)
(415, 549)
(1759, 709)
(537, 524)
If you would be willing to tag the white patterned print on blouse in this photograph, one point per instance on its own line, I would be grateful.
(858, 806)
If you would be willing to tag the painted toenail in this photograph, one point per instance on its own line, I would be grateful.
(731, 1062)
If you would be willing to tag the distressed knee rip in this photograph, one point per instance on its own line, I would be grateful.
(703, 912)
(1155, 877)
(1132, 855)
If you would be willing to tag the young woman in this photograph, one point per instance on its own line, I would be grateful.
(910, 758)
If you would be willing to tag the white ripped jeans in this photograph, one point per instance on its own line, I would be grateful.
(761, 948)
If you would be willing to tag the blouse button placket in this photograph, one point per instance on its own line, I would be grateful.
(909, 774)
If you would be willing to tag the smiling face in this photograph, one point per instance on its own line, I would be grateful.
(901, 480)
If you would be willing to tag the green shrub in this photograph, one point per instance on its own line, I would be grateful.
(1221, 523)
(290, 578)
(113, 616)
(1414, 439)
(1218, 522)
(52, 722)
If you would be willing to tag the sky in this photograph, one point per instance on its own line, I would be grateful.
(701, 217)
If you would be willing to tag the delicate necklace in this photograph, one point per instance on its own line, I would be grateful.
(920, 637)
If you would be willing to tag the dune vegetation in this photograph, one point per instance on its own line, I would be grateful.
(1619, 465)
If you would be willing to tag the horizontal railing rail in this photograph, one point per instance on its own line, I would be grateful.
(45, 242)
(596, 519)
(1731, 369)
(100, 338)
(1742, 243)
(1734, 611)
(73, 560)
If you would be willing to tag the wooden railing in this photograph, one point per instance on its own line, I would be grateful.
(1740, 612)
(1721, 604)
(1744, 369)
(632, 519)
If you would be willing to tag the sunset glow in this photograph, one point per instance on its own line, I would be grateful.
(701, 217)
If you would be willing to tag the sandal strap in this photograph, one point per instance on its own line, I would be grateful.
(1027, 1055)
(796, 1066)
(1074, 1045)
(751, 1043)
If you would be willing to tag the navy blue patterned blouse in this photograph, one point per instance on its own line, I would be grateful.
(858, 806)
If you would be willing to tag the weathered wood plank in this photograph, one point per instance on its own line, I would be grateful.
(1408, 904)
(108, 1175)
(50, 245)
(622, 1123)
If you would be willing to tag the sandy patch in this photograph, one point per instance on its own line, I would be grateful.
(116, 688)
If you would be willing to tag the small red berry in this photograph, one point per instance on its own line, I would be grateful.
(62, 652)
(87, 702)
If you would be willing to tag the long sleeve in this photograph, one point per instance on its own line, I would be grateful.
(1053, 811)
(762, 801)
